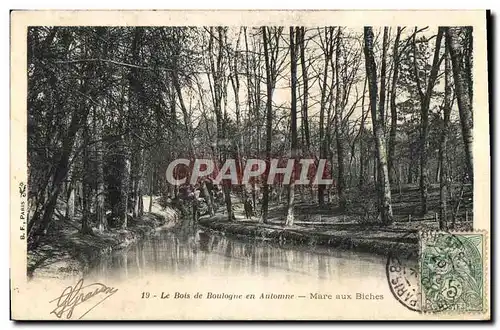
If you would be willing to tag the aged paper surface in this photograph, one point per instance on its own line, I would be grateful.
(212, 275)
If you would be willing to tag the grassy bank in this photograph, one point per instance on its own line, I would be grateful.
(64, 251)
(350, 229)
(346, 236)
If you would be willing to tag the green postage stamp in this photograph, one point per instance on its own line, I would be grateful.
(452, 272)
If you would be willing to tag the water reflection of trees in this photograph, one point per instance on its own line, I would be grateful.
(183, 252)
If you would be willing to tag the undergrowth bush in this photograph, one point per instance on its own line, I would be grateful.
(362, 202)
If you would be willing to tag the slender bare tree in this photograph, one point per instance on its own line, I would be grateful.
(384, 190)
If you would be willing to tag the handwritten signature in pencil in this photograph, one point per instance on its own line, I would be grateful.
(74, 296)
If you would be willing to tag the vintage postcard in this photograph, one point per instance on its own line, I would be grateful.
(250, 165)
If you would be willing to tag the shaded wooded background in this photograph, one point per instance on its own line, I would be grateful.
(110, 107)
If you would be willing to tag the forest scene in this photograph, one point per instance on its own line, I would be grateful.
(109, 108)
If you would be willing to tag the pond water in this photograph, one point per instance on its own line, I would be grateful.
(207, 253)
(199, 274)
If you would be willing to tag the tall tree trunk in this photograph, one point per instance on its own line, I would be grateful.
(70, 193)
(151, 188)
(124, 186)
(100, 193)
(425, 98)
(443, 173)
(381, 106)
(383, 67)
(249, 78)
(361, 136)
(323, 136)
(70, 206)
(339, 129)
(86, 184)
(322, 151)
(305, 81)
(253, 91)
(468, 56)
(371, 72)
(219, 94)
(293, 122)
(394, 112)
(137, 187)
(235, 83)
(130, 170)
(463, 92)
(100, 205)
(269, 121)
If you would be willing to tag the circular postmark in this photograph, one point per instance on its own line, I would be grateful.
(403, 272)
